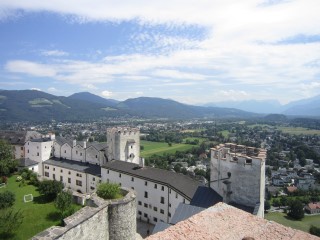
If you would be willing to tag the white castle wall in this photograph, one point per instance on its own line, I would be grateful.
(247, 181)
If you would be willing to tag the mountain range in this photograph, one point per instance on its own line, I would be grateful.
(37, 106)
(304, 107)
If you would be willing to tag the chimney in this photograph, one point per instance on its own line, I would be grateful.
(84, 144)
(141, 162)
(74, 143)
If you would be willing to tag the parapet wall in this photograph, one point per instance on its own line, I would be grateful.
(111, 219)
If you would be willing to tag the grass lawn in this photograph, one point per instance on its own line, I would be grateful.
(38, 215)
(161, 148)
(299, 130)
(303, 225)
(193, 138)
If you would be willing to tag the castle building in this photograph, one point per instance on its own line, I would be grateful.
(238, 175)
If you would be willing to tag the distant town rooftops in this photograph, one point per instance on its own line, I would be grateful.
(185, 185)
(241, 150)
(223, 221)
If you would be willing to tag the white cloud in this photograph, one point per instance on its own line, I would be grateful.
(54, 53)
(31, 68)
(35, 89)
(89, 86)
(52, 89)
(107, 93)
(166, 73)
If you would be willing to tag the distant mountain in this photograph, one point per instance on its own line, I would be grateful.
(257, 106)
(37, 106)
(165, 108)
(304, 107)
(31, 105)
(86, 96)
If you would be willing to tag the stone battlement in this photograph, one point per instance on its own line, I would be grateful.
(123, 131)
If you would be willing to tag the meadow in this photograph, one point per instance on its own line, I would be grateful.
(160, 148)
(303, 224)
(38, 214)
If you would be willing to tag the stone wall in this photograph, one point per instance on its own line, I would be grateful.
(112, 219)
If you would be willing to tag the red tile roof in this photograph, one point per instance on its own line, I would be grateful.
(223, 221)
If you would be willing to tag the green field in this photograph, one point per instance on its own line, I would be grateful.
(38, 215)
(299, 130)
(303, 225)
(160, 148)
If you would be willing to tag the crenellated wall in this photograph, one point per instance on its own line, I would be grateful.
(111, 219)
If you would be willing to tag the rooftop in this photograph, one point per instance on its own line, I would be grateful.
(18, 137)
(84, 167)
(223, 221)
(185, 185)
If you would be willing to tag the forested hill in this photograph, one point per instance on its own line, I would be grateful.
(37, 106)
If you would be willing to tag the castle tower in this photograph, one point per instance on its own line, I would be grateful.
(238, 175)
(123, 144)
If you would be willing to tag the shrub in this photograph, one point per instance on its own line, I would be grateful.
(314, 230)
(63, 203)
(18, 179)
(109, 191)
(7, 199)
(50, 188)
(33, 179)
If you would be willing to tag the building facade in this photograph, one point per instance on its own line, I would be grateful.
(238, 175)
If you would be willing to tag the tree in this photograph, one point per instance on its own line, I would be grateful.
(314, 230)
(50, 188)
(7, 164)
(296, 210)
(109, 191)
(10, 220)
(63, 202)
(276, 202)
(7, 199)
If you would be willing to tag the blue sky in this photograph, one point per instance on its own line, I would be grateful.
(190, 51)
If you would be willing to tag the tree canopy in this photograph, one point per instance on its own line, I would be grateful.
(296, 210)
(108, 191)
(63, 202)
(7, 164)
(50, 188)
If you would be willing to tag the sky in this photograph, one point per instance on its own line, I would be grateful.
(191, 51)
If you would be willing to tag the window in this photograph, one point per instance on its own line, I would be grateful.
(162, 211)
(65, 151)
(28, 150)
(176, 195)
(155, 209)
(146, 183)
(162, 200)
(169, 190)
(132, 179)
(80, 154)
(155, 219)
(61, 178)
(169, 204)
(21, 148)
(162, 188)
(145, 205)
(169, 214)
(155, 186)
(108, 172)
(61, 170)
(54, 169)
(139, 203)
(132, 188)
(46, 167)
(93, 179)
(92, 188)
(76, 152)
(146, 194)
(69, 180)
(139, 212)
(79, 175)
(78, 183)
(145, 215)
(120, 184)
(46, 174)
(248, 161)
(96, 156)
(119, 175)
(69, 172)
(38, 154)
(54, 177)
(184, 201)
